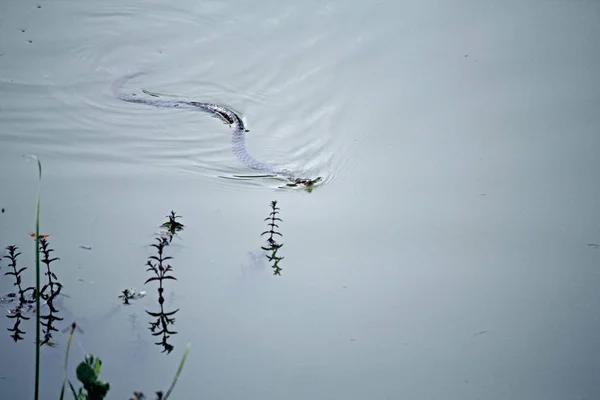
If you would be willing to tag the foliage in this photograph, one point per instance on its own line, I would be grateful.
(29, 299)
(272, 245)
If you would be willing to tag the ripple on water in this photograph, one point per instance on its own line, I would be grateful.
(296, 118)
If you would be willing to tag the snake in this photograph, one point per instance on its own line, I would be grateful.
(225, 114)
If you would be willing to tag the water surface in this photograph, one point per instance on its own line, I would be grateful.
(448, 255)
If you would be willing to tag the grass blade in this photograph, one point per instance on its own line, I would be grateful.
(37, 279)
(179, 369)
(62, 389)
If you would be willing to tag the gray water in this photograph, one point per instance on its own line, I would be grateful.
(450, 252)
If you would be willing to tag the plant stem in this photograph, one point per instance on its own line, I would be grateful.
(179, 369)
(37, 280)
(62, 390)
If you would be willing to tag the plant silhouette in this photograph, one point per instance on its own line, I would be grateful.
(24, 302)
(49, 292)
(163, 321)
(272, 245)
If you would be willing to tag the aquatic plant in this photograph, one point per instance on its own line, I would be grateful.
(172, 225)
(49, 292)
(72, 329)
(12, 256)
(37, 279)
(53, 287)
(24, 302)
(158, 264)
(130, 294)
(87, 373)
(88, 370)
(159, 394)
(272, 245)
(26, 298)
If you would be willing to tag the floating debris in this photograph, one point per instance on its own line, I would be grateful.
(13, 297)
(81, 246)
(16, 305)
(131, 294)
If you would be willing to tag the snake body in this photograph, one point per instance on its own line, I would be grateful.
(227, 115)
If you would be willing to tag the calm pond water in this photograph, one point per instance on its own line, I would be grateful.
(451, 251)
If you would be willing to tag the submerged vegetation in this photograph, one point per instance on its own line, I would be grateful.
(130, 294)
(48, 293)
(24, 301)
(272, 245)
(172, 226)
(159, 265)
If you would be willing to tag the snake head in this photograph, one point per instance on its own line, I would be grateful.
(307, 183)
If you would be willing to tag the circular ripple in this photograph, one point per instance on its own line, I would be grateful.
(296, 120)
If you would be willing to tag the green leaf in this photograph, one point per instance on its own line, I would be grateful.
(97, 366)
(85, 374)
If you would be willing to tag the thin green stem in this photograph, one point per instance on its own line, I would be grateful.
(179, 369)
(62, 389)
(37, 280)
(37, 297)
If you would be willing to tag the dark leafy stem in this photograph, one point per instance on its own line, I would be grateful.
(172, 225)
(87, 371)
(163, 321)
(12, 256)
(160, 327)
(157, 263)
(272, 245)
(49, 292)
(23, 301)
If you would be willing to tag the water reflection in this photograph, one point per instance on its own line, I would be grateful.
(22, 303)
(272, 245)
(159, 264)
